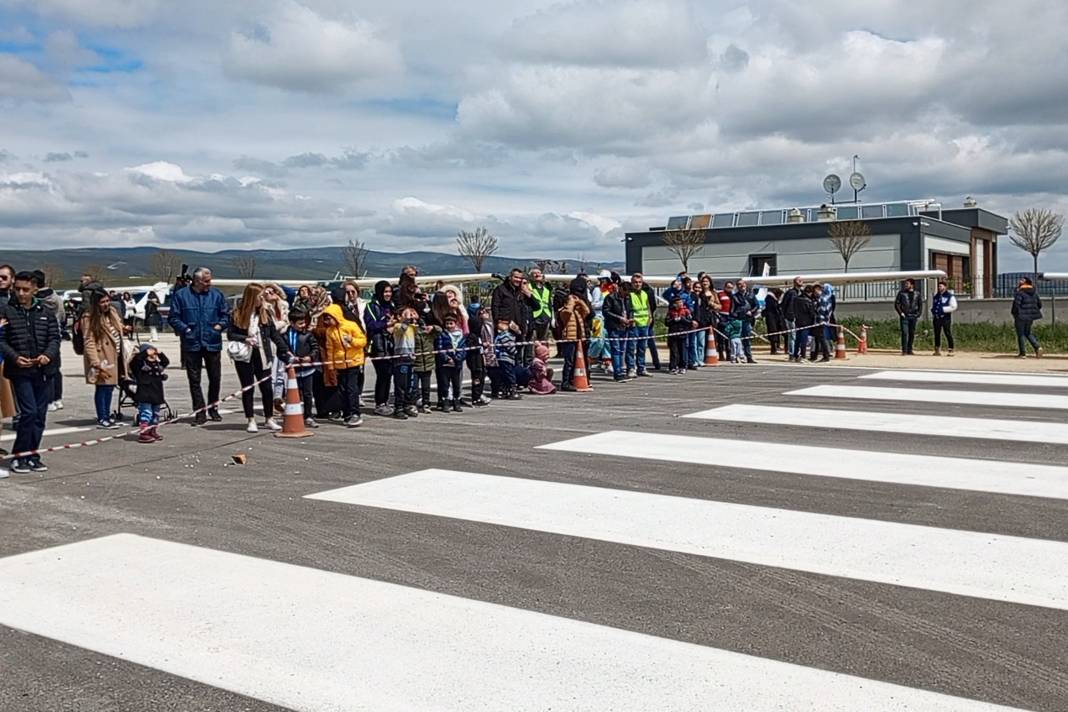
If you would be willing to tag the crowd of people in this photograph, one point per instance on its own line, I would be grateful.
(416, 341)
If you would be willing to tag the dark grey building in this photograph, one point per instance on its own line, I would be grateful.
(906, 235)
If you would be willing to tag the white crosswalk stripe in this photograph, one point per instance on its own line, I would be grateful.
(926, 395)
(903, 423)
(967, 563)
(898, 468)
(979, 378)
(314, 640)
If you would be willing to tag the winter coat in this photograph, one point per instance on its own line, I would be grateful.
(616, 311)
(152, 315)
(31, 333)
(104, 351)
(678, 319)
(451, 351)
(572, 320)
(376, 318)
(742, 306)
(303, 344)
(338, 354)
(269, 340)
(486, 335)
(149, 378)
(509, 304)
(826, 305)
(425, 360)
(773, 318)
(1027, 305)
(789, 299)
(199, 318)
(504, 348)
(804, 311)
(908, 304)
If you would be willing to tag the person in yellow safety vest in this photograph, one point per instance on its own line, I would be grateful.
(542, 316)
(642, 305)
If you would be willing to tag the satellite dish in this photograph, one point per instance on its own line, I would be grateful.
(857, 182)
(832, 184)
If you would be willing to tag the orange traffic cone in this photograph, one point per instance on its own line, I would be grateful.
(582, 382)
(293, 420)
(863, 347)
(711, 354)
(839, 347)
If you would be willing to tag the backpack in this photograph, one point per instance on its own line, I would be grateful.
(77, 338)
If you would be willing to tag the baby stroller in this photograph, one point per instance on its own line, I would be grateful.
(128, 393)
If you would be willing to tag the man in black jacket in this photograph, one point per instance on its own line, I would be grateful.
(745, 308)
(1026, 310)
(909, 306)
(30, 346)
(514, 302)
(788, 313)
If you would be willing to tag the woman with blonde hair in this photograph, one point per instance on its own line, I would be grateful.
(254, 342)
(102, 356)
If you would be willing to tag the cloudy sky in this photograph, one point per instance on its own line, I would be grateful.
(288, 123)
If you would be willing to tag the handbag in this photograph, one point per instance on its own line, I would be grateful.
(241, 351)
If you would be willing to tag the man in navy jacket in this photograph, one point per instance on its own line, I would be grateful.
(199, 315)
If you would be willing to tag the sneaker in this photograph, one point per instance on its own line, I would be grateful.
(1021, 355)
(214, 415)
(456, 407)
(645, 374)
(59, 405)
(199, 419)
(441, 407)
(481, 402)
(310, 423)
(949, 353)
(1038, 352)
(37, 466)
(400, 415)
(4, 474)
(383, 409)
(272, 425)
(412, 411)
(252, 427)
(21, 467)
(937, 352)
(632, 373)
(155, 434)
(145, 436)
(354, 421)
(52, 408)
(567, 388)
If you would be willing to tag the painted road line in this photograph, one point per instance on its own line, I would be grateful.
(1049, 481)
(905, 423)
(988, 379)
(923, 395)
(50, 433)
(307, 639)
(1002, 568)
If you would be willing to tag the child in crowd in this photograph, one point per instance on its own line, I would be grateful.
(451, 352)
(733, 329)
(476, 358)
(678, 320)
(305, 350)
(343, 344)
(147, 369)
(411, 351)
(487, 332)
(426, 363)
(541, 376)
(506, 352)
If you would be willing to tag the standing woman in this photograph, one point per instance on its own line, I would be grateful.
(773, 319)
(378, 318)
(153, 320)
(251, 324)
(102, 356)
(129, 311)
(1026, 310)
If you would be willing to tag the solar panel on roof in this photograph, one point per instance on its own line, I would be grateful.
(678, 222)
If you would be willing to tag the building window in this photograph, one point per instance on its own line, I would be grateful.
(723, 220)
(757, 263)
(847, 213)
(771, 217)
(678, 222)
(897, 210)
(871, 212)
(748, 219)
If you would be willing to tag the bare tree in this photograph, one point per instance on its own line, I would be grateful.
(1035, 230)
(245, 266)
(354, 256)
(476, 246)
(53, 274)
(849, 237)
(165, 265)
(685, 244)
(551, 266)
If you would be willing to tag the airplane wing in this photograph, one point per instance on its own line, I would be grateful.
(363, 282)
(785, 280)
(1054, 276)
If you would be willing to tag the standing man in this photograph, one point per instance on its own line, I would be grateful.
(642, 307)
(943, 304)
(1026, 310)
(909, 306)
(542, 314)
(199, 315)
(744, 307)
(30, 347)
(788, 315)
(53, 304)
(513, 301)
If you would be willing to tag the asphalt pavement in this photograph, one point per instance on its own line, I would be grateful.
(88, 626)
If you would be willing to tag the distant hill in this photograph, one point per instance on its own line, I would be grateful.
(135, 264)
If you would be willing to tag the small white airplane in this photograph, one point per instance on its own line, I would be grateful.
(139, 292)
(1054, 276)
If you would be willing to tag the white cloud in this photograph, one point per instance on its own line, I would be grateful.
(21, 81)
(161, 171)
(298, 49)
(96, 13)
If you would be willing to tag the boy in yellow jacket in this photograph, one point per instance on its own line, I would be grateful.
(344, 344)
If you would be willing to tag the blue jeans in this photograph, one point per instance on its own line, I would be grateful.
(32, 395)
(697, 347)
(102, 401)
(1023, 334)
(147, 414)
(618, 348)
(747, 341)
(791, 336)
(636, 346)
(908, 333)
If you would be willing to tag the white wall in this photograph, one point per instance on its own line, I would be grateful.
(728, 260)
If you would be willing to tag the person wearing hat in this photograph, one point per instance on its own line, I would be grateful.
(147, 371)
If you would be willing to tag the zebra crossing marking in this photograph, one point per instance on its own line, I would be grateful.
(992, 566)
(945, 397)
(310, 640)
(986, 379)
